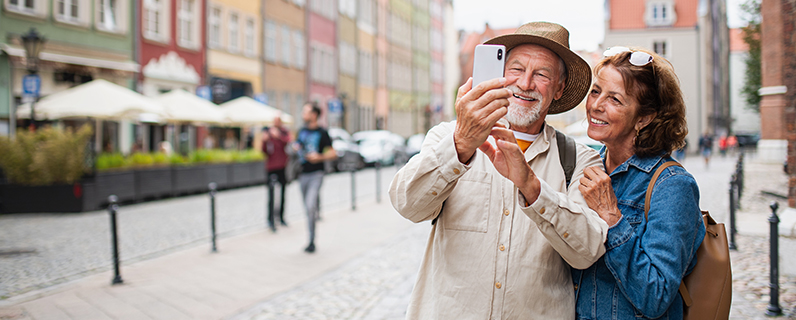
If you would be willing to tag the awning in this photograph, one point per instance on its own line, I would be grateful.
(129, 66)
(183, 106)
(97, 99)
(247, 111)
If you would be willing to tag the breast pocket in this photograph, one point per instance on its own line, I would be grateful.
(467, 208)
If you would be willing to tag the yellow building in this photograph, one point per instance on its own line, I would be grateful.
(285, 56)
(234, 50)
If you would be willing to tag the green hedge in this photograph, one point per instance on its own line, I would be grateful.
(111, 161)
(46, 156)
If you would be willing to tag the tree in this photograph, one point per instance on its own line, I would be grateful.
(751, 35)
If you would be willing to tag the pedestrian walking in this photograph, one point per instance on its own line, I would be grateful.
(723, 145)
(275, 139)
(706, 147)
(314, 146)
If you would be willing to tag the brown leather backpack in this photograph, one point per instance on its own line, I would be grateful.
(707, 290)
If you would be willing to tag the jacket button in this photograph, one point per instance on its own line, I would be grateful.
(506, 211)
(502, 247)
(456, 171)
(576, 286)
(498, 285)
(542, 210)
(433, 193)
(565, 235)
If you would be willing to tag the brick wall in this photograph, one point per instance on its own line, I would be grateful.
(788, 12)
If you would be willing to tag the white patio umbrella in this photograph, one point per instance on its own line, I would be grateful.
(247, 111)
(97, 99)
(183, 106)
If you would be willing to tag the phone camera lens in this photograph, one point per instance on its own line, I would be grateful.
(500, 54)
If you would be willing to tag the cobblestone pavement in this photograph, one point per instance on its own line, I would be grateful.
(43, 250)
(375, 286)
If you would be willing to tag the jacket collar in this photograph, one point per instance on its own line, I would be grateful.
(643, 164)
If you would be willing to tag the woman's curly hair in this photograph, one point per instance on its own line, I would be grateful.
(657, 89)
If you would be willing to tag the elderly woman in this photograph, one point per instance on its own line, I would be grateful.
(636, 108)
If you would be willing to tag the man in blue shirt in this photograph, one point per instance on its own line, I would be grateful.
(314, 148)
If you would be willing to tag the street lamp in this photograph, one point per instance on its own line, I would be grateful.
(33, 43)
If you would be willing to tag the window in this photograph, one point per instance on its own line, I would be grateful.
(323, 66)
(299, 3)
(299, 48)
(348, 8)
(156, 20)
(285, 43)
(68, 11)
(215, 27)
(435, 9)
(660, 48)
(366, 69)
(286, 102)
(233, 33)
(365, 15)
(437, 40)
(437, 74)
(325, 8)
(107, 14)
(348, 59)
(270, 41)
(187, 17)
(660, 13)
(249, 35)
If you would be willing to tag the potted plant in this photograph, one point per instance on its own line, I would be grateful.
(43, 170)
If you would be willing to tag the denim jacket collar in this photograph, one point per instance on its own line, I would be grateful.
(643, 164)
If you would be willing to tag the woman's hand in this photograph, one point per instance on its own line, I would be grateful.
(599, 194)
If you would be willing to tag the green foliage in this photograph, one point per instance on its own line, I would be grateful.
(47, 156)
(110, 161)
(751, 35)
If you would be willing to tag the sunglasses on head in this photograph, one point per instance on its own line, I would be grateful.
(637, 58)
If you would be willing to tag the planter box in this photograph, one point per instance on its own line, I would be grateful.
(188, 180)
(32, 199)
(246, 174)
(218, 173)
(120, 183)
(153, 183)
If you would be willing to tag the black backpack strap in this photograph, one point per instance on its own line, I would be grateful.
(566, 154)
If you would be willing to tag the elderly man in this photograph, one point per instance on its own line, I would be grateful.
(507, 227)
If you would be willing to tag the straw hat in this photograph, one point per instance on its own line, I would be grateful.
(556, 38)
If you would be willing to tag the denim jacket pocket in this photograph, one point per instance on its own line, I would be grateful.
(467, 207)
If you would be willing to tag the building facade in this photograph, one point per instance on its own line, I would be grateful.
(285, 56)
(322, 34)
(693, 36)
(85, 40)
(744, 119)
(234, 66)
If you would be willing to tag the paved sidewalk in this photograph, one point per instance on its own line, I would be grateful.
(197, 284)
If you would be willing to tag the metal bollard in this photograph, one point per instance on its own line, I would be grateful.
(212, 186)
(733, 185)
(353, 191)
(378, 181)
(112, 207)
(773, 305)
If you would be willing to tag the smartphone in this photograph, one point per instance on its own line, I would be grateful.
(489, 62)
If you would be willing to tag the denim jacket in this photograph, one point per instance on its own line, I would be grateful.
(645, 261)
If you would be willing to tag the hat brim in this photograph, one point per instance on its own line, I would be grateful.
(578, 71)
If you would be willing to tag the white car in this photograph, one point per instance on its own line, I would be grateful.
(380, 146)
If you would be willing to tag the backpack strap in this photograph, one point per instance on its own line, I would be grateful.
(566, 155)
(683, 290)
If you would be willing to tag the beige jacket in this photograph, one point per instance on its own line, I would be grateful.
(488, 256)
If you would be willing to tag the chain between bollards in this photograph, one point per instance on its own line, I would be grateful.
(733, 205)
(212, 186)
(112, 208)
(773, 305)
(378, 181)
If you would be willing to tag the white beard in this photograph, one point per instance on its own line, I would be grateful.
(519, 116)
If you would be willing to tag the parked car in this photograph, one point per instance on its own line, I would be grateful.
(748, 140)
(413, 144)
(380, 146)
(348, 156)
